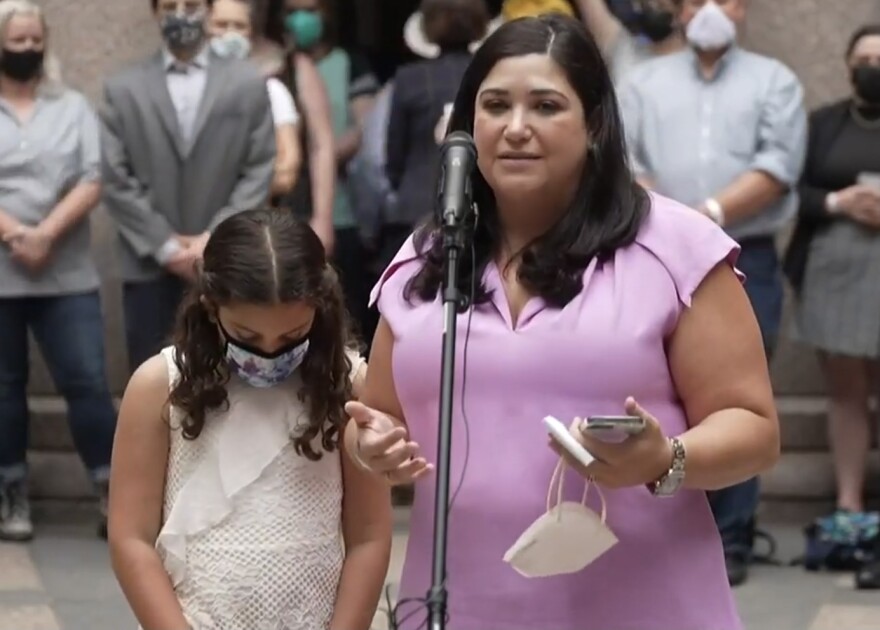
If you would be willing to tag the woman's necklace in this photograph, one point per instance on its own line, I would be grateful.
(862, 121)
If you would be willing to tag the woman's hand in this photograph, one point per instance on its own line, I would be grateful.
(861, 203)
(382, 448)
(31, 246)
(639, 460)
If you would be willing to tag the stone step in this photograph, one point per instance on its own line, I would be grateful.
(49, 430)
(804, 473)
(58, 475)
(798, 490)
(61, 476)
(799, 476)
(810, 476)
(803, 423)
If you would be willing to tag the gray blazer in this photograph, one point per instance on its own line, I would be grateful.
(154, 185)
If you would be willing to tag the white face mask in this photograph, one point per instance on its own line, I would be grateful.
(567, 538)
(711, 29)
(231, 45)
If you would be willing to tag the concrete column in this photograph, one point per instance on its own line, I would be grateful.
(811, 37)
(93, 38)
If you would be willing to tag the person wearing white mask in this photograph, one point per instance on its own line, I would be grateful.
(230, 27)
(723, 130)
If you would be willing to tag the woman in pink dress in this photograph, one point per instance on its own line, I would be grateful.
(588, 291)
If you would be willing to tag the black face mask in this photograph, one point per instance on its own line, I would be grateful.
(866, 81)
(656, 25)
(21, 65)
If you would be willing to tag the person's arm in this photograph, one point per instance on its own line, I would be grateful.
(287, 164)
(717, 361)
(397, 136)
(812, 198)
(312, 94)
(367, 524)
(631, 107)
(147, 232)
(255, 179)
(86, 194)
(777, 165)
(363, 87)
(602, 24)
(289, 155)
(137, 489)
(378, 388)
(349, 142)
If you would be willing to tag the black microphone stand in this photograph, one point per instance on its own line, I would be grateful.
(453, 234)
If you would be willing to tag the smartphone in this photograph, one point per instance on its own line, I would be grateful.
(562, 435)
(613, 428)
(872, 180)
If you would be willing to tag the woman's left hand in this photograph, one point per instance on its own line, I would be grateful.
(639, 460)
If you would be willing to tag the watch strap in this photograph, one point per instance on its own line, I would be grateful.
(675, 472)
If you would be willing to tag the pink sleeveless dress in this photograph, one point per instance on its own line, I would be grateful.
(667, 571)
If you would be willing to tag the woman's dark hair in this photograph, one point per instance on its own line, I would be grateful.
(869, 30)
(264, 257)
(454, 24)
(277, 11)
(155, 4)
(608, 207)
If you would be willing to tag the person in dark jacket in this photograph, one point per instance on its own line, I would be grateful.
(833, 262)
(422, 98)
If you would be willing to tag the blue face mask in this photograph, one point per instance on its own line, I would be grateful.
(259, 369)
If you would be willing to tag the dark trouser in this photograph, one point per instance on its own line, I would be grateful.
(351, 261)
(69, 330)
(150, 309)
(734, 508)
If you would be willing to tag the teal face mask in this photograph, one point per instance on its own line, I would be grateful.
(306, 27)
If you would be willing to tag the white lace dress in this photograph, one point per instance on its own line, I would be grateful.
(251, 534)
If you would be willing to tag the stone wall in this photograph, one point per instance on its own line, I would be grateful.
(94, 37)
(811, 37)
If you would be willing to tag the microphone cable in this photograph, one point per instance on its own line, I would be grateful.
(393, 611)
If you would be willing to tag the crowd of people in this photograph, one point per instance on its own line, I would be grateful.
(273, 202)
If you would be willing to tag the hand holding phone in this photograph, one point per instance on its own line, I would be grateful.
(562, 435)
(613, 428)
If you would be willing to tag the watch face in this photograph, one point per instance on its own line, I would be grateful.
(670, 484)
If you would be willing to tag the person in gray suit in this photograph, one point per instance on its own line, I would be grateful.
(187, 140)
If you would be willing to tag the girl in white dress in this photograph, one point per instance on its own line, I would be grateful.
(231, 504)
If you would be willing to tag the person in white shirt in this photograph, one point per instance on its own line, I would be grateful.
(231, 30)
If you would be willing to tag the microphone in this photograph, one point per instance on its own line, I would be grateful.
(458, 157)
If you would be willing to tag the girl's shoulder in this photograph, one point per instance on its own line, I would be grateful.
(154, 373)
(146, 395)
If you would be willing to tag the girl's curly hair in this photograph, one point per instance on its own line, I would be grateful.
(265, 257)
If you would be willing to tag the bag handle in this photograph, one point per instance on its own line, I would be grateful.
(557, 480)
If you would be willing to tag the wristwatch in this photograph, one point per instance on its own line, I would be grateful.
(832, 203)
(715, 211)
(671, 482)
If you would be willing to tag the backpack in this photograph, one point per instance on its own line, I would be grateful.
(842, 541)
